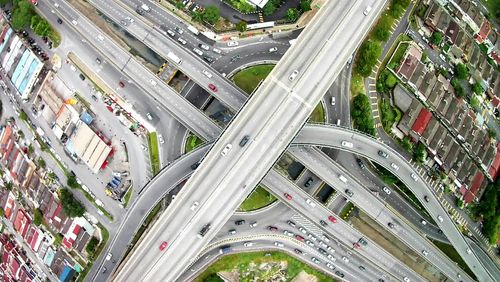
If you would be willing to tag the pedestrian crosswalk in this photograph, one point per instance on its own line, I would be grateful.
(308, 225)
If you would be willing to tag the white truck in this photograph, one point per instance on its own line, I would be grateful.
(193, 29)
(174, 58)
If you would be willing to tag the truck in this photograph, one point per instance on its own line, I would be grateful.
(225, 249)
(204, 230)
(174, 58)
(193, 29)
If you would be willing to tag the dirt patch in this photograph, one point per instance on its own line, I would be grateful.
(305, 277)
(395, 247)
(93, 15)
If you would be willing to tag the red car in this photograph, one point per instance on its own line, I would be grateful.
(272, 228)
(300, 238)
(212, 87)
(356, 245)
(288, 197)
(332, 219)
(163, 245)
(121, 84)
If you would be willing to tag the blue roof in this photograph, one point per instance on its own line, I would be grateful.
(66, 274)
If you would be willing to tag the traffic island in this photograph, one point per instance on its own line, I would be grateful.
(258, 199)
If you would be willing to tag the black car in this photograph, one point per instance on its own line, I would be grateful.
(323, 252)
(340, 274)
(195, 165)
(426, 199)
(382, 154)
(82, 77)
(59, 21)
(298, 251)
(208, 59)
(360, 163)
(244, 140)
(239, 222)
(323, 223)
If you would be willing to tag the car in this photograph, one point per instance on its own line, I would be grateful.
(160, 138)
(425, 253)
(278, 244)
(300, 238)
(248, 244)
(323, 223)
(287, 196)
(194, 205)
(297, 251)
(315, 260)
(288, 233)
(178, 30)
(163, 245)
(406, 279)
(232, 43)
(291, 223)
(391, 225)
(426, 198)
(339, 274)
(182, 41)
(345, 259)
(386, 190)
(195, 165)
(323, 252)
(310, 202)
(347, 144)
(272, 228)
(153, 82)
(244, 140)
(198, 51)
(121, 84)
(331, 218)
(394, 166)
(362, 241)
(212, 87)
(208, 59)
(303, 230)
(367, 10)
(293, 75)
(218, 51)
(468, 251)
(440, 218)
(382, 154)
(149, 116)
(308, 182)
(206, 73)
(144, 148)
(362, 268)
(98, 61)
(349, 192)
(104, 269)
(109, 256)
(171, 33)
(239, 222)
(82, 77)
(423, 222)
(440, 231)
(329, 265)
(322, 244)
(330, 257)
(325, 238)
(253, 224)
(94, 97)
(360, 163)
(414, 176)
(309, 243)
(204, 47)
(274, 49)
(59, 21)
(226, 149)
(232, 232)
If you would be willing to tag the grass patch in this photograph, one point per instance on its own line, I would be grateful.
(259, 198)
(357, 84)
(128, 196)
(154, 153)
(398, 55)
(318, 115)
(249, 78)
(450, 251)
(192, 141)
(346, 210)
(55, 37)
(242, 260)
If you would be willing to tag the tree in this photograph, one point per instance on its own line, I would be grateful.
(92, 246)
(179, 5)
(460, 203)
(420, 153)
(292, 14)
(23, 116)
(474, 102)
(20, 133)
(477, 88)
(41, 163)
(241, 26)
(383, 28)
(461, 71)
(38, 217)
(211, 15)
(43, 28)
(35, 20)
(31, 150)
(492, 133)
(72, 182)
(305, 5)
(270, 7)
(391, 81)
(21, 15)
(459, 91)
(361, 114)
(9, 185)
(197, 16)
(71, 206)
(367, 57)
(406, 143)
(436, 38)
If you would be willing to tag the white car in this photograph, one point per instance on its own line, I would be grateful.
(469, 251)
(303, 230)
(182, 41)
(332, 258)
(153, 82)
(226, 149)
(171, 33)
(100, 37)
(322, 244)
(160, 138)
(423, 222)
(272, 50)
(206, 73)
(144, 148)
(248, 244)
(325, 238)
(310, 243)
(149, 116)
(414, 176)
(232, 43)
(425, 253)
(440, 218)
(109, 256)
(330, 266)
(198, 51)
(345, 259)
(293, 75)
(347, 144)
(253, 224)
(117, 174)
(406, 279)
(204, 47)
(386, 190)
(218, 51)
(394, 166)
(278, 244)
(194, 205)
(310, 202)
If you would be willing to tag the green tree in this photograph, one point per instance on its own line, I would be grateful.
(3, 2)
(477, 88)
(197, 16)
(43, 28)
(474, 102)
(92, 246)
(436, 38)
(391, 81)
(72, 182)
(23, 116)
(211, 14)
(21, 15)
(460, 203)
(361, 114)
(9, 185)
(270, 7)
(461, 71)
(71, 206)
(420, 153)
(38, 217)
(305, 5)
(31, 150)
(35, 20)
(459, 91)
(292, 14)
(20, 133)
(241, 26)
(407, 144)
(367, 57)
(41, 163)
(179, 5)
(383, 28)
(492, 133)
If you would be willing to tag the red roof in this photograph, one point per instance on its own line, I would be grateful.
(422, 121)
(495, 101)
(495, 165)
(22, 222)
(9, 206)
(476, 184)
(14, 267)
(484, 31)
(6, 134)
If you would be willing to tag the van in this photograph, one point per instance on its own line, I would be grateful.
(338, 122)
(342, 178)
(333, 101)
